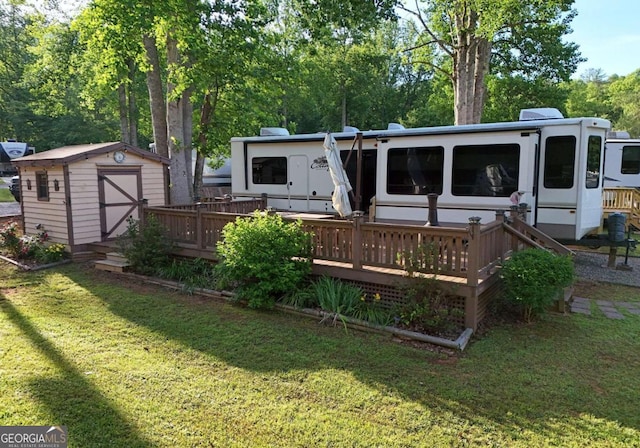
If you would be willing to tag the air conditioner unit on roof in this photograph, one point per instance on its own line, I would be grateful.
(540, 113)
(273, 131)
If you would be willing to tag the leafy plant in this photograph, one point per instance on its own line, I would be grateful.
(302, 297)
(424, 259)
(534, 278)
(52, 253)
(191, 273)
(263, 257)
(370, 309)
(148, 249)
(30, 247)
(427, 308)
(10, 240)
(336, 296)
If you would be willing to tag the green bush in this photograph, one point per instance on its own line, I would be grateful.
(427, 308)
(534, 278)
(147, 249)
(263, 257)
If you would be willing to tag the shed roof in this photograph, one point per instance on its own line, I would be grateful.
(68, 154)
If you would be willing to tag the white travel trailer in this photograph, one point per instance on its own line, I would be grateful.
(12, 150)
(554, 165)
(622, 160)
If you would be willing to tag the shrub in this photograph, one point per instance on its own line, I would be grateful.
(30, 247)
(263, 257)
(9, 239)
(52, 253)
(148, 249)
(427, 308)
(534, 278)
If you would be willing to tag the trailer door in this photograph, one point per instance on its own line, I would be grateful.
(298, 184)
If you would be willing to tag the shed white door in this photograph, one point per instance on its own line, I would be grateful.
(120, 195)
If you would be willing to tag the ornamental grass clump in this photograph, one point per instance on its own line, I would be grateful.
(263, 257)
(534, 278)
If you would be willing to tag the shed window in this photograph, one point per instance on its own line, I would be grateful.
(42, 186)
(559, 161)
(485, 170)
(630, 160)
(415, 170)
(269, 170)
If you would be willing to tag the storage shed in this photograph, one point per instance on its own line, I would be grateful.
(84, 194)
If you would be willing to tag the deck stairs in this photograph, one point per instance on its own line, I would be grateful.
(115, 262)
(625, 201)
(526, 236)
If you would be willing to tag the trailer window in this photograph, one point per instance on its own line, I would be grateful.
(485, 170)
(42, 186)
(415, 170)
(630, 160)
(594, 152)
(559, 161)
(269, 170)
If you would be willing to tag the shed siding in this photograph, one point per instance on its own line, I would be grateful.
(51, 214)
(153, 184)
(85, 208)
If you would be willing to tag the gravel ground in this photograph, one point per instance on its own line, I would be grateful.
(9, 208)
(593, 266)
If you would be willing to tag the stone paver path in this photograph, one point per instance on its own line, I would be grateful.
(613, 310)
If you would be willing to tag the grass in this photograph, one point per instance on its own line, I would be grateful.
(5, 195)
(124, 364)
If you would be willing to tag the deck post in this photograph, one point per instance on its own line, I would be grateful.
(142, 206)
(263, 197)
(513, 216)
(474, 251)
(474, 254)
(500, 217)
(356, 249)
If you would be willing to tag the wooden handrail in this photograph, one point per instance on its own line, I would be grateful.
(469, 253)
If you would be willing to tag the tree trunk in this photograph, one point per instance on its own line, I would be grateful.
(133, 105)
(179, 191)
(125, 136)
(470, 67)
(156, 97)
(205, 120)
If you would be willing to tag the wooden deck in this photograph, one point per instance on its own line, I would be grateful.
(463, 259)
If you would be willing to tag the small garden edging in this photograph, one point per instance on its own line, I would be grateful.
(459, 344)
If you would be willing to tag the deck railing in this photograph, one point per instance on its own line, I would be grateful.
(623, 200)
(470, 252)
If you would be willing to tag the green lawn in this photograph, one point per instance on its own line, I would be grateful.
(5, 195)
(124, 364)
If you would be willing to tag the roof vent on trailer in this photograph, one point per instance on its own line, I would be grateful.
(273, 131)
(394, 126)
(618, 134)
(350, 129)
(540, 113)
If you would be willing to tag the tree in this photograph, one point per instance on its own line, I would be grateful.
(500, 36)
(624, 95)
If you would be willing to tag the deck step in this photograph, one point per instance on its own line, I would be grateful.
(116, 256)
(112, 266)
